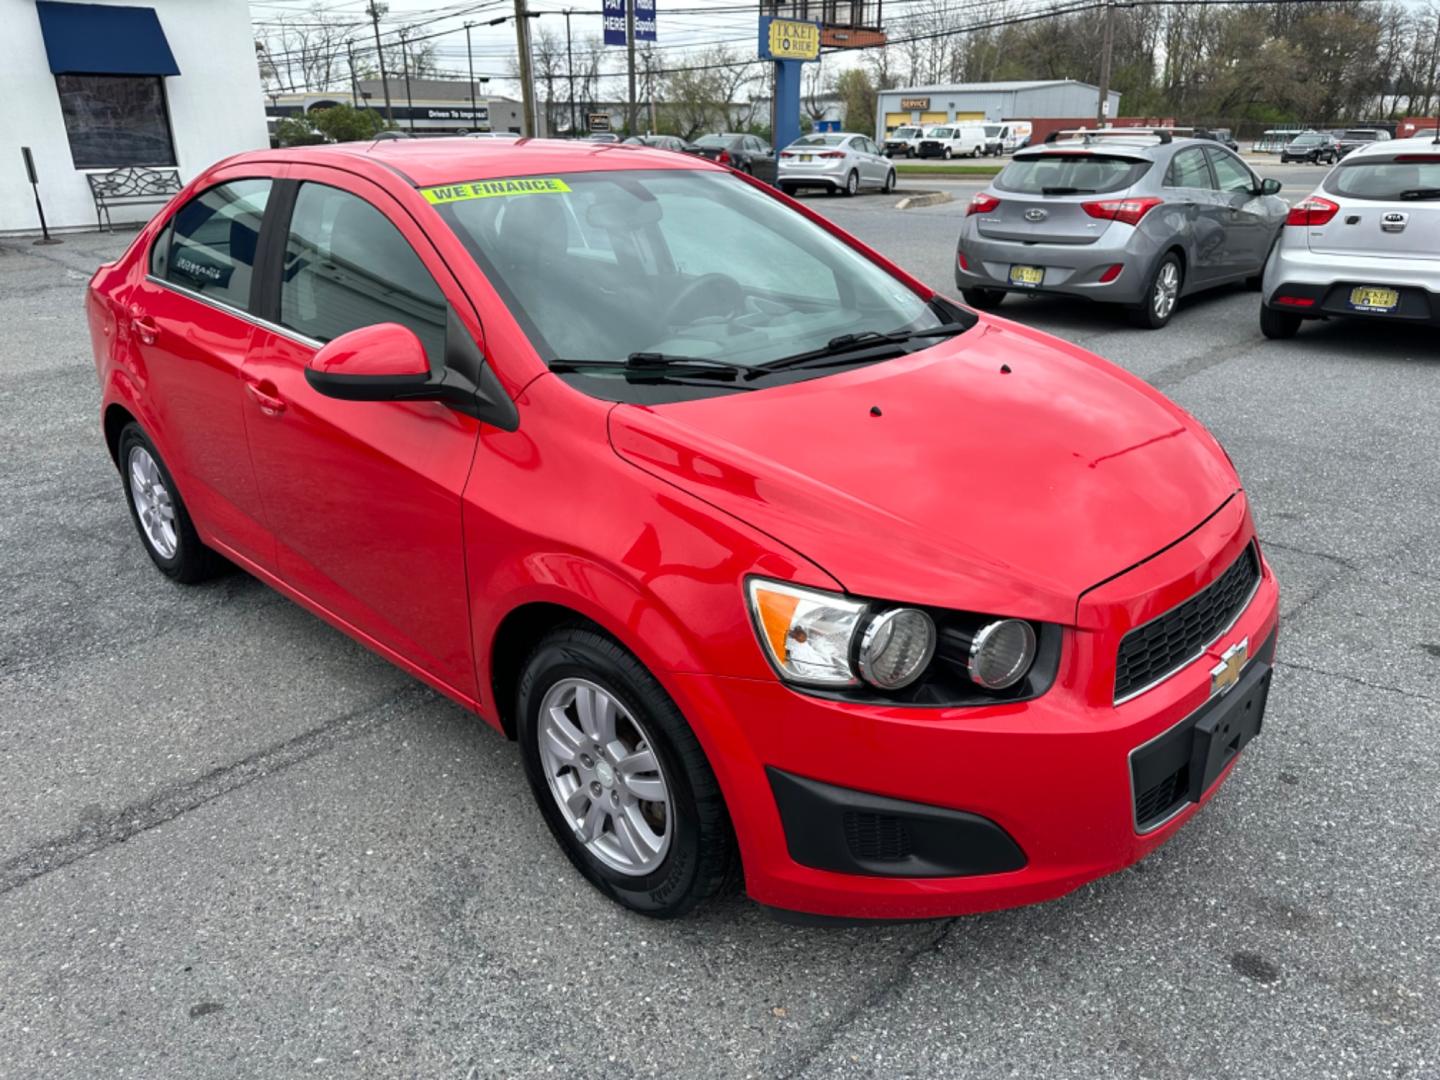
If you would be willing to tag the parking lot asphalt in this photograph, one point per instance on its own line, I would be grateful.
(234, 843)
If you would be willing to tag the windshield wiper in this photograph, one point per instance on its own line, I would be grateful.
(1421, 193)
(1067, 191)
(840, 348)
(654, 364)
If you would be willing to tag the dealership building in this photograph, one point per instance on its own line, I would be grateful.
(1049, 104)
(169, 85)
(420, 106)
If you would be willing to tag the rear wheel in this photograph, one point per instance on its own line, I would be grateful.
(852, 183)
(984, 299)
(159, 513)
(619, 776)
(1278, 325)
(889, 182)
(1161, 295)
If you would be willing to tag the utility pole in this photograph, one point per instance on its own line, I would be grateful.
(1102, 106)
(650, 90)
(375, 10)
(527, 84)
(405, 60)
(469, 56)
(630, 61)
(354, 79)
(570, 67)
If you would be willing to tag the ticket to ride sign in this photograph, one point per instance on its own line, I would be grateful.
(788, 39)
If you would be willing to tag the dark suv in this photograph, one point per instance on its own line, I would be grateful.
(1354, 138)
(1311, 146)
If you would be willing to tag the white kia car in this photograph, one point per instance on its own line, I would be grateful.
(1364, 245)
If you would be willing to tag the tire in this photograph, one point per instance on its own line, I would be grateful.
(697, 854)
(1151, 314)
(889, 182)
(852, 184)
(984, 299)
(948, 154)
(789, 189)
(166, 531)
(1278, 325)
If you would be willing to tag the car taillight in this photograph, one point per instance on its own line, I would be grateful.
(1417, 159)
(982, 203)
(1295, 301)
(786, 153)
(1313, 211)
(724, 158)
(964, 262)
(1126, 211)
(831, 154)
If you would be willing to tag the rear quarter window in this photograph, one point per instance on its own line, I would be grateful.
(1081, 173)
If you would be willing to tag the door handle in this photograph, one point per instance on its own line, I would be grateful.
(144, 327)
(270, 404)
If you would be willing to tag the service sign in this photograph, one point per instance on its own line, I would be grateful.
(614, 24)
(787, 39)
(909, 104)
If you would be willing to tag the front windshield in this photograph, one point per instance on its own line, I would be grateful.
(905, 133)
(683, 262)
(992, 130)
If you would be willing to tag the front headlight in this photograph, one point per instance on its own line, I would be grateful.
(805, 632)
(811, 637)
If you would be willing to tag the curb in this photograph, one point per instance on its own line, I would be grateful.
(932, 198)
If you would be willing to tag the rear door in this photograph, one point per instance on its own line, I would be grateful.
(1249, 228)
(363, 497)
(190, 330)
(1190, 184)
(1388, 207)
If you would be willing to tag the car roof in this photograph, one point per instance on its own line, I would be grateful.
(427, 162)
(1143, 145)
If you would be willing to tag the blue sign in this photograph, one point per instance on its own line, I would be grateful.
(614, 12)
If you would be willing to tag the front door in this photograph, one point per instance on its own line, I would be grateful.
(189, 333)
(363, 497)
(1247, 236)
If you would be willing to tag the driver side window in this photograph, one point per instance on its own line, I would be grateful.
(1231, 175)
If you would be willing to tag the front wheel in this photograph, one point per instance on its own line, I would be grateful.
(1161, 296)
(159, 513)
(619, 776)
(948, 153)
(1278, 325)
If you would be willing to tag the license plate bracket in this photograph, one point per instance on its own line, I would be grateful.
(1226, 727)
(1374, 298)
(1027, 277)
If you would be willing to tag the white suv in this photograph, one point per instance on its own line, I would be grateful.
(1365, 244)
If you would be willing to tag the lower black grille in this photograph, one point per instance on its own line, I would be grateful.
(877, 837)
(1165, 644)
(1160, 799)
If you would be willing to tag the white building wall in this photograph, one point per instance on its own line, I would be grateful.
(216, 106)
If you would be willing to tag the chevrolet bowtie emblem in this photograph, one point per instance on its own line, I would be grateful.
(1224, 675)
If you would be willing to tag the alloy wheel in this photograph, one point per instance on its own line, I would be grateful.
(1166, 291)
(153, 505)
(605, 776)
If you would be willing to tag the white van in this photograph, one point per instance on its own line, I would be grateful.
(953, 140)
(1007, 136)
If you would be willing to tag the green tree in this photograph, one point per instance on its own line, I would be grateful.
(296, 131)
(857, 99)
(344, 123)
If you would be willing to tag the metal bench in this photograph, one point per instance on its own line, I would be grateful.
(131, 186)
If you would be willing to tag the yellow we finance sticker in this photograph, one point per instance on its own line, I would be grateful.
(489, 189)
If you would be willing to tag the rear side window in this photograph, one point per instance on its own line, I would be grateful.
(209, 245)
(1410, 176)
(347, 266)
(1188, 170)
(1070, 174)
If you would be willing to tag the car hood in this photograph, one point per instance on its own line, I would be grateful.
(1000, 471)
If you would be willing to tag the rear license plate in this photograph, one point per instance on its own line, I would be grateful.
(1027, 276)
(805, 157)
(1374, 298)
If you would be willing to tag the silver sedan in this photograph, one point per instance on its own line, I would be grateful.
(837, 161)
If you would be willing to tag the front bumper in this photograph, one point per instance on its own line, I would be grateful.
(1325, 280)
(1070, 269)
(1051, 776)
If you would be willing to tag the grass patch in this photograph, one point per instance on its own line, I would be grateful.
(937, 169)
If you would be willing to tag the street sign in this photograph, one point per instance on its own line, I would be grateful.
(614, 21)
(597, 121)
(787, 39)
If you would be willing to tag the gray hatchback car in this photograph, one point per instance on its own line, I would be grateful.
(1137, 218)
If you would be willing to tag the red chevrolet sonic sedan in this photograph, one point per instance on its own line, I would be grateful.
(777, 564)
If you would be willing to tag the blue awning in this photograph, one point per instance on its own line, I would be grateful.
(102, 39)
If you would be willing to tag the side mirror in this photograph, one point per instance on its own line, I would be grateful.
(1269, 187)
(384, 362)
(387, 362)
